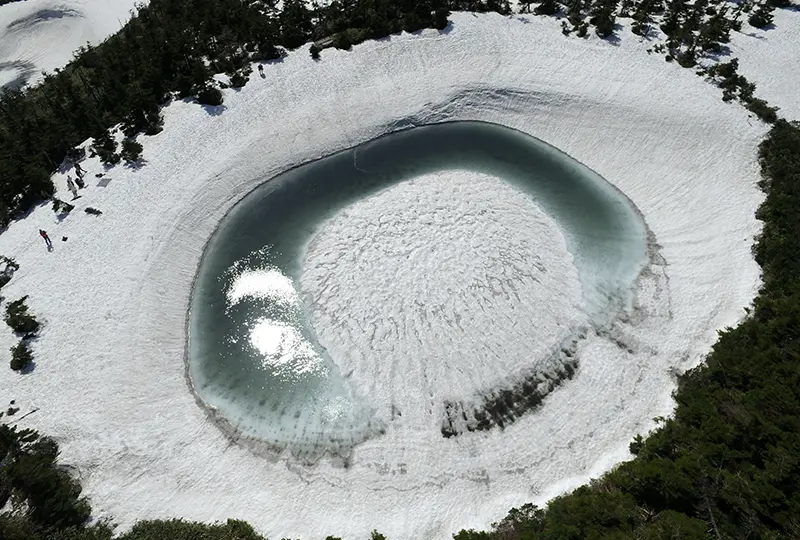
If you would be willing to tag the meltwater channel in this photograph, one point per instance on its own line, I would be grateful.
(253, 356)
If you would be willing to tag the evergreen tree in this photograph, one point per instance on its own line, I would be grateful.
(642, 18)
(762, 16)
(547, 7)
(603, 17)
(575, 12)
(295, 22)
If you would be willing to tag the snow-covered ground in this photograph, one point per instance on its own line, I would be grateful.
(109, 382)
(771, 59)
(41, 35)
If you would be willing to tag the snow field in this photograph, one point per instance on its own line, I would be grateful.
(110, 379)
(771, 59)
(41, 35)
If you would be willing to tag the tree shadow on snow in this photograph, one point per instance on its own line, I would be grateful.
(136, 165)
(29, 368)
(613, 38)
(723, 52)
(214, 110)
(387, 39)
(19, 216)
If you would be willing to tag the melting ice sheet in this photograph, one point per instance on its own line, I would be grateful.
(319, 281)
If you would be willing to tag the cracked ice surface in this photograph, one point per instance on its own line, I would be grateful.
(439, 287)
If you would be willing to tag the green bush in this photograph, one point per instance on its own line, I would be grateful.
(21, 356)
(763, 110)
(178, 529)
(762, 16)
(342, 41)
(210, 95)
(547, 7)
(18, 318)
(131, 151)
(105, 146)
(8, 270)
(76, 154)
(51, 498)
(240, 77)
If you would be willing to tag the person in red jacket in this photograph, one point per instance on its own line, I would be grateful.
(47, 241)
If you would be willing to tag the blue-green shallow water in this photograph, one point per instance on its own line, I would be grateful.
(253, 355)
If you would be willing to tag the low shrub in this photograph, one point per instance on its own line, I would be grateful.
(763, 110)
(210, 95)
(21, 356)
(762, 17)
(92, 211)
(178, 529)
(50, 496)
(240, 77)
(76, 154)
(343, 40)
(18, 318)
(547, 7)
(7, 272)
(131, 151)
(105, 147)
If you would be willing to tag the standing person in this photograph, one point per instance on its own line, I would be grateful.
(72, 188)
(79, 171)
(79, 177)
(47, 241)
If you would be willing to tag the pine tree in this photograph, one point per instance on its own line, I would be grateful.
(762, 16)
(603, 17)
(547, 7)
(575, 12)
(642, 18)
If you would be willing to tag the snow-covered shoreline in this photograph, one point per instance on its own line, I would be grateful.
(109, 381)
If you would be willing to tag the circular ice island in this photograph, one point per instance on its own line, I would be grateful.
(437, 280)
